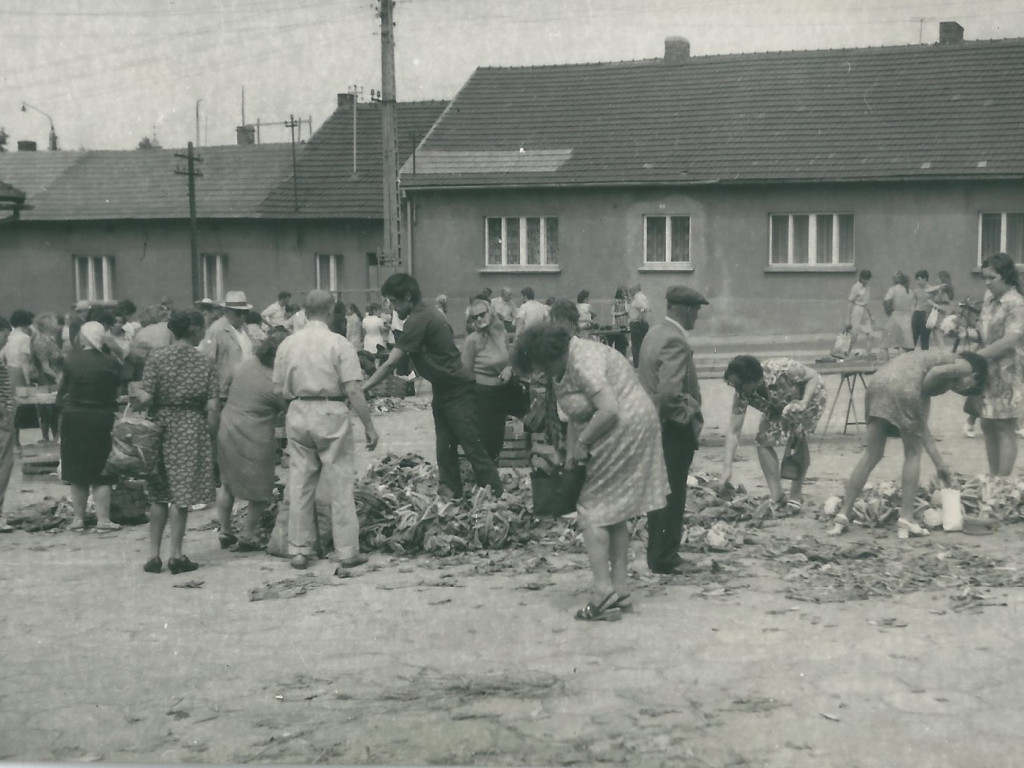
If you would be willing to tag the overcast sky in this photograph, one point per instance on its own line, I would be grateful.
(109, 72)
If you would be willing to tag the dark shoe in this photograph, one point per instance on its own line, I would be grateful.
(153, 565)
(181, 565)
(226, 540)
(299, 562)
(353, 562)
(246, 546)
(602, 611)
(624, 603)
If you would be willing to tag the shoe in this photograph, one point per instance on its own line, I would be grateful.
(181, 565)
(794, 506)
(905, 529)
(102, 527)
(353, 562)
(226, 540)
(839, 524)
(624, 603)
(602, 611)
(969, 429)
(77, 525)
(300, 562)
(153, 565)
(247, 546)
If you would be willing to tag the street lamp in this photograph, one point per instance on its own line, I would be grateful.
(25, 107)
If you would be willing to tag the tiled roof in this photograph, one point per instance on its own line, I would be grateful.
(142, 184)
(910, 112)
(326, 185)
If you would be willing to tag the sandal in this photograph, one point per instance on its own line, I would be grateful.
(153, 565)
(603, 611)
(794, 506)
(624, 603)
(839, 524)
(905, 529)
(226, 540)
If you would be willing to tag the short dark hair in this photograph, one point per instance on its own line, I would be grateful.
(399, 285)
(563, 309)
(126, 308)
(901, 278)
(865, 274)
(101, 315)
(182, 321)
(527, 293)
(538, 345)
(21, 318)
(746, 368)
(582, 296)
(921, 273)
(267, 350)
(620, 293)
(284, 295)
(1000, 263)
(979, 367)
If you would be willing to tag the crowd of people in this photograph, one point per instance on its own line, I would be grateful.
(218, 379)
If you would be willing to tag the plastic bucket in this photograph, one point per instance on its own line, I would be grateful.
(952, 513)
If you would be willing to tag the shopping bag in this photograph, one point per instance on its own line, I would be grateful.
(797, 457)
(933, 319)
(135, 448)
(518, 402)
(842, 345)
(556, 494)
(535, 419)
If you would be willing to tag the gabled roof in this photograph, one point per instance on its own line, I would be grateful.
(327, 187)
(911, 112)
(142, 184)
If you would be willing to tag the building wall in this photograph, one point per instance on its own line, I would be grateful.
(896, 226)
(151, 259)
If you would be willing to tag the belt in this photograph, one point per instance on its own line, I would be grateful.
(332, 398)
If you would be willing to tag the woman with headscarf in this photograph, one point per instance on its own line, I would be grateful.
(485, 354)
(88, 396)
(181, 387)
(246, 448)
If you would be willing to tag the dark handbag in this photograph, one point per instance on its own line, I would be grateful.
(517, 401)
(556, 495)
(797, 458)
(535, 419)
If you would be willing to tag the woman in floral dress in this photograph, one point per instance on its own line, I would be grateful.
(790, 397)
(1002, 334)
(614, 429)
(181, 387)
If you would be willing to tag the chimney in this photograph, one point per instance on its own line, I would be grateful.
(950, 32)
(346, 100)
(246, 134)
(677, 50)
(26, 146)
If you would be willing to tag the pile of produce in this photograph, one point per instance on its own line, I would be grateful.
(706, 503)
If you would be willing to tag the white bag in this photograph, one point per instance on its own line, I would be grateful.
(842, 345)
(933, 319)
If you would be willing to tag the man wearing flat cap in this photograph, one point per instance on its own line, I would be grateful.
(669, 376)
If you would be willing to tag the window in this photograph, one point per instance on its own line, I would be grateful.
(521, 241)
(94, 278)
(1001, 232)
(809, 239)
(215, 268)
(328, 271)
(666, 240)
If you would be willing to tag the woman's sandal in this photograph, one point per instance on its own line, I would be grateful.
(794, 506)
(603, 611)
(624, 604)
(77, 525)
(905, 529)
(227, 540)
(839, 524)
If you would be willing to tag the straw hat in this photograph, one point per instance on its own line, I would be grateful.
(236, 300)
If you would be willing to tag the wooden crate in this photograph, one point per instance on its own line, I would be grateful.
(515, 451)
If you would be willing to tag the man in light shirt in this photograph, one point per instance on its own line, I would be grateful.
(505, 310)
(275, 314)
(318, 372)
(227, 341)
(639, 310)
(530, 311)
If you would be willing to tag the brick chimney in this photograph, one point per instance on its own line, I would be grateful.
(950, 32)
(26, 146)
(346, 100)
(245, 134)
(677, 50)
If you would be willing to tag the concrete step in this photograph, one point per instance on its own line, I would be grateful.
(712, 354)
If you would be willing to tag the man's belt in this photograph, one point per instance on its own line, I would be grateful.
(332, 398)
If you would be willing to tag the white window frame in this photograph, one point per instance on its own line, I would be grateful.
(669, 265)
(1003, 229)
(334, 268)
(93, 266)
(522, 266)
(219, 268)
(813, 264)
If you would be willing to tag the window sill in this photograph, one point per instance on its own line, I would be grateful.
(673, 267)
(526, 269)
(839, 268)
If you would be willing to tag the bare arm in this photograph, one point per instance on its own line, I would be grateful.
(357, 402)
(601, 423)
(933, 452)
(732, 441)
(396, 357)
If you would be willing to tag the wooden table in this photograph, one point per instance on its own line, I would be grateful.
(608, 335)
(849, 375)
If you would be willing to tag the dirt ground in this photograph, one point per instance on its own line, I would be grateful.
(476, 660)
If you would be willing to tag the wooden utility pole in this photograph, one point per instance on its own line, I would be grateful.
(197, 268)
(390, 251)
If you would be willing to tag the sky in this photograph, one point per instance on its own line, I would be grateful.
(110, 72)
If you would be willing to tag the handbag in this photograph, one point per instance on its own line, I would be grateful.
(518, 398)
(557, 494)
(797, 457)
(933, 319)
(842, 345)
(135, 446)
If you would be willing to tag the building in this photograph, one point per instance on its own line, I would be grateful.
(108, 225)
(765, 180)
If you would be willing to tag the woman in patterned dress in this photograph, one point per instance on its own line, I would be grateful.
(180, 385)
(614, 429)
(790, 397)
(1002, 337)
(897, 403)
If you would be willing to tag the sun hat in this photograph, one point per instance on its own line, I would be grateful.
(236, 300)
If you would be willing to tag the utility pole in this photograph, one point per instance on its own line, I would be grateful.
(197, 268)
(390, 132)
(198, 102)
(291, 124)
(356, 91)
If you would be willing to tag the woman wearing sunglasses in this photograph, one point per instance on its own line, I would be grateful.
(485, 353)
